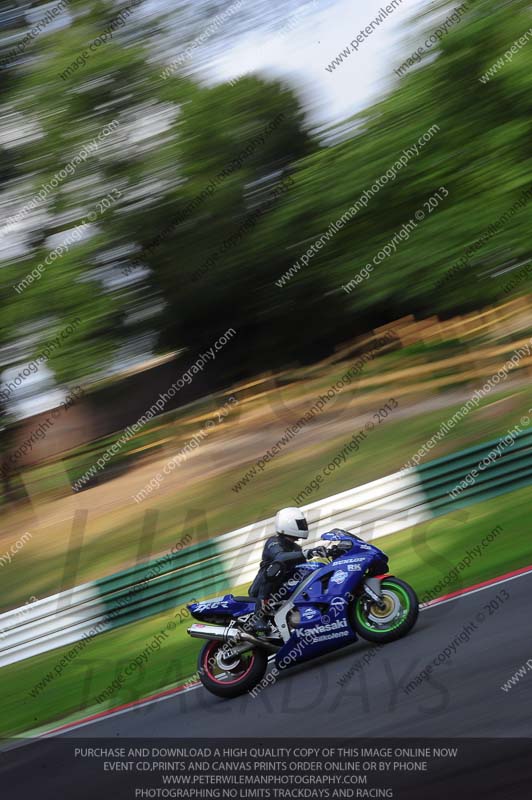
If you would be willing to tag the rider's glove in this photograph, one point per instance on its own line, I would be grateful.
(321, 552)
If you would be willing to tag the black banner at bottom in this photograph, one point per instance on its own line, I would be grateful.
(266, 769)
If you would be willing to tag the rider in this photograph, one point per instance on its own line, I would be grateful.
(280, 556)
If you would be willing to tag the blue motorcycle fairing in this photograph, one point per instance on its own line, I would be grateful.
(315, 602)
(315, 638)
(323, 603)
(309, 566)
(227, 606)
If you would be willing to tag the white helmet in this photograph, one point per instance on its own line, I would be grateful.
(291, 522)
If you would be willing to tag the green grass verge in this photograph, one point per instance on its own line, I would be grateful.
(423, 556)
(210, 507)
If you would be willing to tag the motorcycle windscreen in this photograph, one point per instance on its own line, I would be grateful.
(358, 545)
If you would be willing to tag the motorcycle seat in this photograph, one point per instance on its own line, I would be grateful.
(242, 599)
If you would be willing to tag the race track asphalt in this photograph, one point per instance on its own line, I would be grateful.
(461, 698)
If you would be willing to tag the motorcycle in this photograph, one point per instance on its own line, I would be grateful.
(325, 606)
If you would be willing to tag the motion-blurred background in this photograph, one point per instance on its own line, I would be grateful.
(167, 170)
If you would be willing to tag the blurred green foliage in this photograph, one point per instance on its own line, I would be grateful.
(177, 134)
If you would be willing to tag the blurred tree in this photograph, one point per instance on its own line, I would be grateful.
(172, 139)
(480, 152)
(234, 146)
(198, 234)
(81, 118)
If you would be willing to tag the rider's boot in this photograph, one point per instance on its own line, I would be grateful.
(260, 619)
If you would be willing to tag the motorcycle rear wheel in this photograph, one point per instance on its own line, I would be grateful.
(234, 676)
(392, 622)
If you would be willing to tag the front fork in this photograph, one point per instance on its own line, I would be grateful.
(372, 588)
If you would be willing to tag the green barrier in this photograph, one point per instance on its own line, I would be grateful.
(510, 469)
(191, 572)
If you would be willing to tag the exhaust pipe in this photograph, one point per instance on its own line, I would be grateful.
(248, 637)
(230, 635)
(218, 632)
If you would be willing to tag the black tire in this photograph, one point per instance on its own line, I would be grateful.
(253, 667)
(370, 628)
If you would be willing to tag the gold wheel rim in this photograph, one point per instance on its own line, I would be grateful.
(381, 613)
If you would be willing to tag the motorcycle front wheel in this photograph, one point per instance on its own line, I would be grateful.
(230, 676)
(394, 620)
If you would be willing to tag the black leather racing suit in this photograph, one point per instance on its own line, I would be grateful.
(288, 554)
